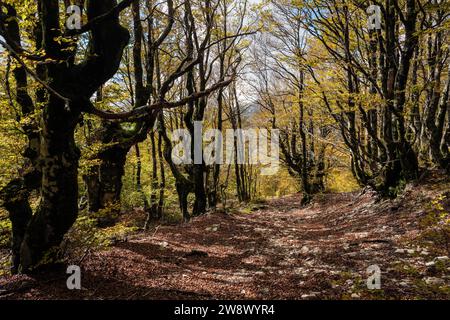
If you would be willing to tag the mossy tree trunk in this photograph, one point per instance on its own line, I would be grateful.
(58, 207)
(67, 88)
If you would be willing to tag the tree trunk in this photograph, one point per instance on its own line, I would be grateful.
(162, 184)
(58, 207)
(57, 152)
(104, 181)
(152, 213)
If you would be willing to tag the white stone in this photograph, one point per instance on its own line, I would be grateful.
(443, 258)
(164, 244)
(304, 250)
(308, 296)
(434, 281)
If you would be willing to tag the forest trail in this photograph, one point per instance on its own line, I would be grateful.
(278, 251)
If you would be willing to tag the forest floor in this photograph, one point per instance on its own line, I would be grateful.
(277, 250)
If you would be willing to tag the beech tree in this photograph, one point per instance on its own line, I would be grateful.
(282, 72)
(67, 86)
(104, 180)
(67, 78)
(378, 61)
(190, 178)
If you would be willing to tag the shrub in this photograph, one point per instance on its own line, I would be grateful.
(436, 224)
(5, 232)
(85, 236)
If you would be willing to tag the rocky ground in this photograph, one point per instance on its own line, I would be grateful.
(280, 250)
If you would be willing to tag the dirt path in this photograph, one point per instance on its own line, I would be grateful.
(281, 251)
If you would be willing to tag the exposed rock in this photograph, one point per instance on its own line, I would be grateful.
(304, 250)
(309, 296)
(164, 244)
(434, 281)
(443, 258)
